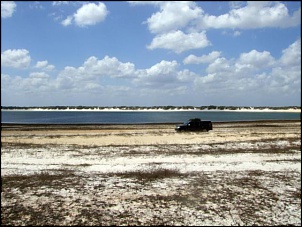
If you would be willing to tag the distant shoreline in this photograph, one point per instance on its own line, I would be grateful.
(291, 110)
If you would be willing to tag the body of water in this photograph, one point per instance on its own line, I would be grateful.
(137, 117)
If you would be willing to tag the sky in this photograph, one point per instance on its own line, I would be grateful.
(119, 53)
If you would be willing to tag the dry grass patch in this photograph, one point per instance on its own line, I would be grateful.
(42, 179)
(151, 174)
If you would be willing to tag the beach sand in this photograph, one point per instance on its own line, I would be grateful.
(239, 173)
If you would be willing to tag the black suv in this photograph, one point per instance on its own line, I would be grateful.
(195, 125)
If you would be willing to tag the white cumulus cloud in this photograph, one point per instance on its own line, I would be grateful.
(179, 42)
(92, 71)
(108, 67)
(41, 64)
(164, 75)
(44, 66)
(257, 59)
(192, 59)
(159, 74)
(7, 8)
(254, 15)
(173, 15)
(16, 58)
(90, 14)
(292, 54)
(255, 74)
(87, 15)
(67, 21)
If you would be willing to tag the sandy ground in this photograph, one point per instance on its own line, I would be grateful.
(240, 173)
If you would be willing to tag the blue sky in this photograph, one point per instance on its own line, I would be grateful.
(150, 53)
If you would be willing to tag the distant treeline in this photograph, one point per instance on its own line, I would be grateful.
(211, 107)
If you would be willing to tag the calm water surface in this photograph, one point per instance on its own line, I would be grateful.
(139, 117)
